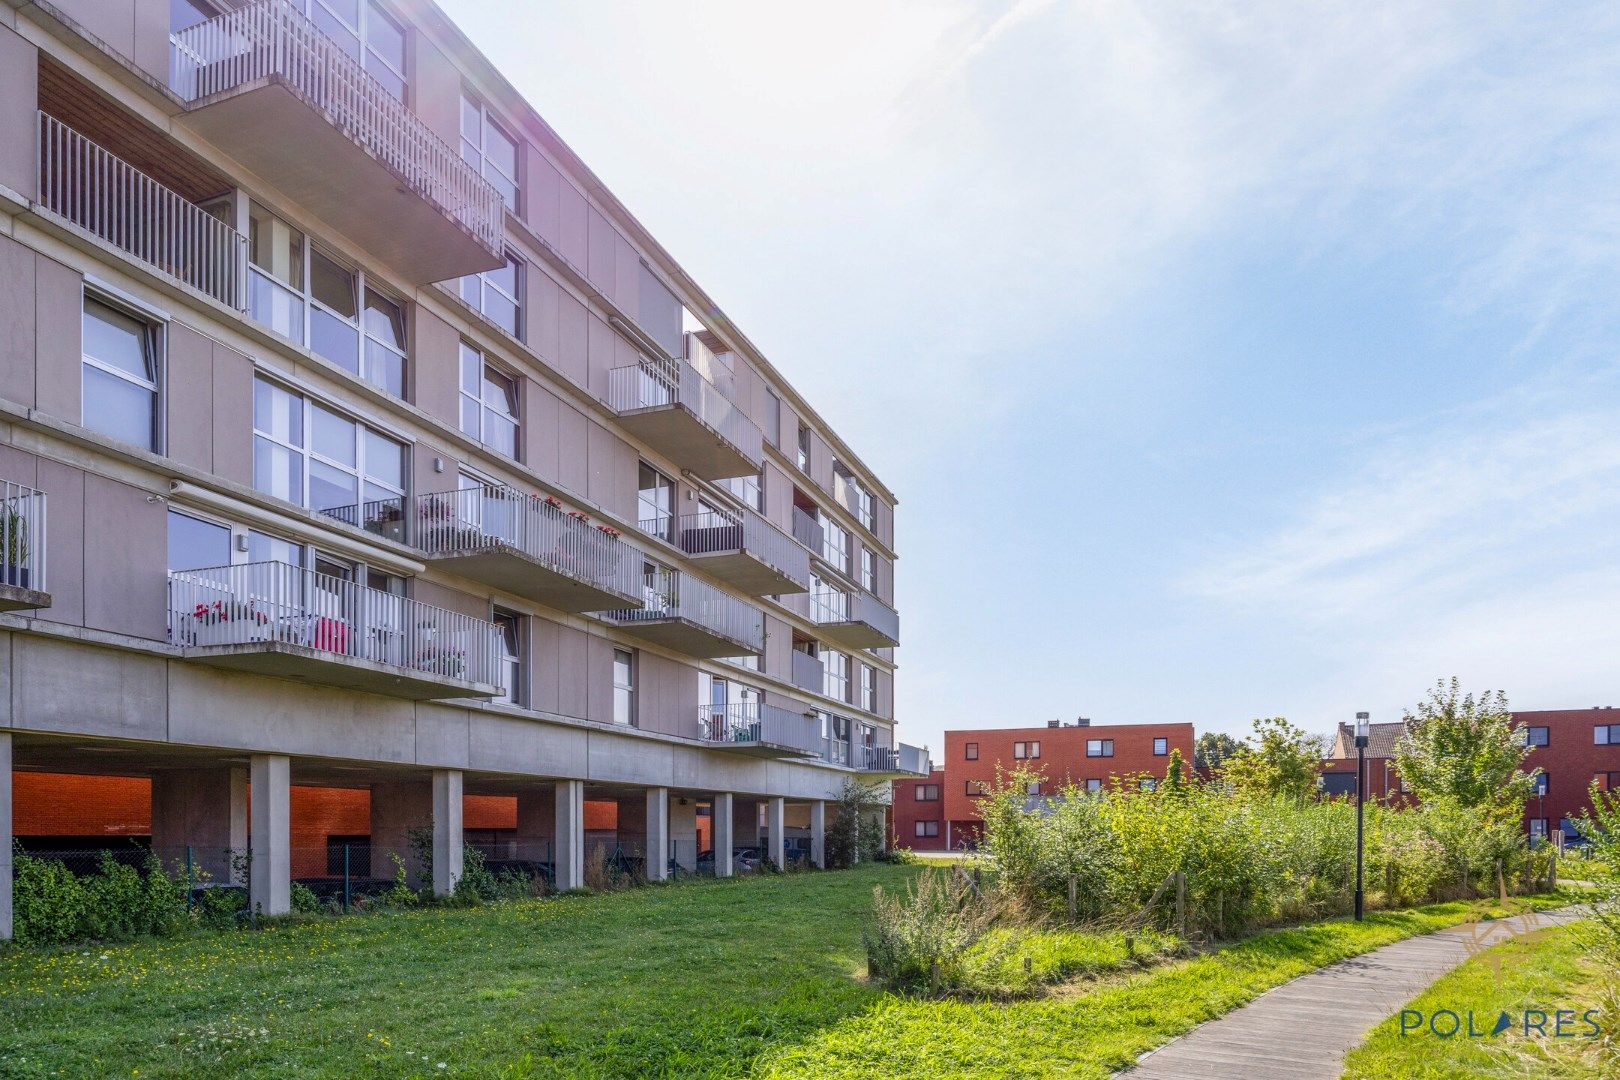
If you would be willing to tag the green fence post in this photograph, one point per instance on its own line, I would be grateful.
(345, 879)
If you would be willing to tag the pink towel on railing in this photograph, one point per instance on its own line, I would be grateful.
(332, 635)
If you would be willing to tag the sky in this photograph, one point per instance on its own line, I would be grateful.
(1228, 360)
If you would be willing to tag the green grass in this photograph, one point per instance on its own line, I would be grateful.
(1550, 971)
(741, 978)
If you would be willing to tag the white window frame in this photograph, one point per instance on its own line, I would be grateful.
(153, 341)
(868, 570)
(480, 283)
(477, 156)
(835, 680)
(662, 519)
(869, 694)
(515, 665)
(834, 542)
(625, 691)
(308, 453)
(362, 33)
(472, 354)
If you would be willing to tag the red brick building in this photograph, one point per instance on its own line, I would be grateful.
(1573, 748)
(942, 813)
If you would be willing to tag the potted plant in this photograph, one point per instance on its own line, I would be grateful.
(14, 569)
(228, 622)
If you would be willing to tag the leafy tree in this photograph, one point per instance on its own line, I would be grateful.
(1279, 759)
(1465, 749)
(853, 834)
(1175, 777)
(1213, 748)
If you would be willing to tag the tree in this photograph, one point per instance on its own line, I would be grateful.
(852, 833)
(1466, 750)
(1279, 759)
(1175, 777)
(1213, 748)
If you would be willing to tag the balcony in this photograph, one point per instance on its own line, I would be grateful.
(679, 413)
(528, 547)
(809, 673)
(898, 761)
(273, 618)
(99, 193)
(745, 550)
(22, 548)
(268, 87)
(855, 618)
(691, 616)
(759, 730)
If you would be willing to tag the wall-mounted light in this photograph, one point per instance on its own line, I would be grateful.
(438, 464)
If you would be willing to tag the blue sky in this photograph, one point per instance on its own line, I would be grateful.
(1228, 360)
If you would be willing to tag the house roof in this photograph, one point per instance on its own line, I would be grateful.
(1381, 739)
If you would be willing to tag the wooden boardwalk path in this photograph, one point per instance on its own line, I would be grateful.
(1304, 1028)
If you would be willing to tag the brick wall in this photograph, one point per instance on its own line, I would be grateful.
(907, 809)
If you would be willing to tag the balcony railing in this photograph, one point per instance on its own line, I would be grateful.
(786, 567)
(753, 724)
(809, 673)
(808, 531)
(473, 520)
(381, 517)
(855, 618)
(22, 543)
(272, 39)
(670, 596)
(273, 604)
(671, 384)
(117, 203)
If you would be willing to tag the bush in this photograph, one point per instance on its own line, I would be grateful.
(928, 940)
(116, 903)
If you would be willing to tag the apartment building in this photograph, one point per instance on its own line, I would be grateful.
(940, 812)
(1572, 749)
(367, 468)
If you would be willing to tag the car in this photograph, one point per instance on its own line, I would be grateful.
(743, 861)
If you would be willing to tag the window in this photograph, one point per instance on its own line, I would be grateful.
(863, 504)
(834, 542)
(1033, 787)
(498, 295)
(835, 730)
(1606, 735)
(1093, 786)
(1533, 736)
(121, 376)
(331, 309)
(1099, 748)
(927, 792)
(1607, 781)
(835, 681)
(195, 544)
(773, 418)
(1149, 784)
(869, 695)
(489, 149)
(868, 570)
(978, 788)
(927, 828)
(1161, 747)
(184, 14)
(624, 687)
(489, 403)
(804, 449)
(1026, 750)
(972, 751)
(365, 33)
(510, 625)
(1541, 784)
(749, 490)
(309, 455)
(655, 514)
(1538, 830)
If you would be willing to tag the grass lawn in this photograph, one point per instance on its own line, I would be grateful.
(732, 978)
(1545, 973)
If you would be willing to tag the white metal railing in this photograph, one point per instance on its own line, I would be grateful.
(454, 522)
(875, 758)
(839, 606)
(116, 202)
(654, 384)
(752, 722)
(22, 537)
(383, 517)
(711, 532)
(809, 673)
(277, 602)
(669, 594)
(273, 39)
(808, 531)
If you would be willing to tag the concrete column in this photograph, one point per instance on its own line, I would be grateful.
(569, 856)
(270, 873)
(657, 833)
(536, 825)
(776, 824)
(721, 822)
(448, 837)
(398, 808)
(5, 836)
(818, 834)
(204, 810)
(683, 831)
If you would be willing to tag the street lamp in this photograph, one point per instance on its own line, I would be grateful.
(1363, 730)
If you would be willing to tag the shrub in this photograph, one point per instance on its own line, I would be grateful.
(928, 940)
(116, 903)
(302, 899)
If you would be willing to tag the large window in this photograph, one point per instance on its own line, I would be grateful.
(362, 30)
(1606, 735)
(122, 376)
(316, 300)
(1026, 751)
(834, 542)
(978, 788)
(510, 625)
(1533, 736)
(195, 544)
(498, 295)
(868, 570)
(869, 696)
(307, 454)
(487, 147)
(624, 687)
(836, 681)
(804, 449)
(655, 512)
(1099, 748)
(927, 828)
(489, 403)
(1161, 747)
(927, 793)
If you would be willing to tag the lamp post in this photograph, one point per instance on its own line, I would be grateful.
(1363, 729)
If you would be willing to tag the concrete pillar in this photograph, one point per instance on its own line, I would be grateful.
(204, 810)
(657, 833)
(270, 872)
(5, 836)
(683, 831)
(722, 834)
(448, 837)
(569, 854)
(818, 834)
(536, 825)
(776, 824)
(399, 808)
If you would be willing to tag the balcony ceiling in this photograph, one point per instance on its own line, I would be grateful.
(16, 598)
(855, 635)
(684, 636)
(290, 144)
(749, 572)
(334, 669)
(676, 432)
(760, 749)
(514, 571)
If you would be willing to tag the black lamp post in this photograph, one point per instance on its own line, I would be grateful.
(1363, 729)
